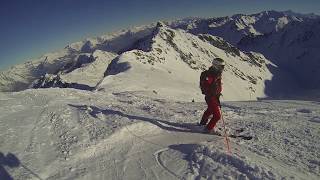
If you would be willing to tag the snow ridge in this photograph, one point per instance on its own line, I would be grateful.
(195, 42)
(293, 48)
(172, 59)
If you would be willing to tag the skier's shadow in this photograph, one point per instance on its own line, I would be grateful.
(10, 160)
(166, 125)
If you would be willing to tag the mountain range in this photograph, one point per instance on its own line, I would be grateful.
(127, 105)
(263, 52)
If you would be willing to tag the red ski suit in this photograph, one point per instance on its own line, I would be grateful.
(210, 83)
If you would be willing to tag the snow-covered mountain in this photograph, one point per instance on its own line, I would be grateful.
(72, 57)
(238, 26)
(295, 48)
(126, 105)
(189, 45)
(171, 61)
(289, 40)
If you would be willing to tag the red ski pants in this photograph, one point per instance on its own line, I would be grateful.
(213, 109)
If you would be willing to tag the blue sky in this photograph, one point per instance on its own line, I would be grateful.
(30, 28)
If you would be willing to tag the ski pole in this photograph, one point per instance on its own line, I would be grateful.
(225, 133)
(36, 175)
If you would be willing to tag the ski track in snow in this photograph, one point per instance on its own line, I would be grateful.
(74, 134)
(71, 134)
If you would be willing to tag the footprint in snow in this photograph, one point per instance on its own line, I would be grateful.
(315, 119)
(304, 111)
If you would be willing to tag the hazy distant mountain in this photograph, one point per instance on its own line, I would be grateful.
(234, 28)
(149, 57)
(165, 62)
(288, 39)
(295, 48)
(126, 105)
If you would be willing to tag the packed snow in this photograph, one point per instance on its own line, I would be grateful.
(126, 105)
(71, 134)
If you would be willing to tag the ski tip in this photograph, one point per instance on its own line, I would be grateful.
(246, 137)
(241, 137)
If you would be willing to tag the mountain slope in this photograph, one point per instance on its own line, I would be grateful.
(287, 39)
(126, 106)
(19, 77)
(84, 65)
(73, 56)
(234, 28)
(295, 48)
(172, 60)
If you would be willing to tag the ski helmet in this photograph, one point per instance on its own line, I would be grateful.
(218, 62)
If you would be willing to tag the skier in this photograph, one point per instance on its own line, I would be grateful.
(211, 87)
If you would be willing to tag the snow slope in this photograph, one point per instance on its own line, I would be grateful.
(20, 77)
(171, 59)
(83, 65)
(295, 48)
(126, 104)
(238, 26)
(72, 134)
(172, 63)
(288, 39)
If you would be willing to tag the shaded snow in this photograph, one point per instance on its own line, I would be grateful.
(139, 120)
(72, 134)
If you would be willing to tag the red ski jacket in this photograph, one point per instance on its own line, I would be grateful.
(210, 82)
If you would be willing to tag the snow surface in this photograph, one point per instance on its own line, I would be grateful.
(234, 28)
(171, 61)
(130, 103)
(287, 39)
(295, 48)
(172, 65)
(71, 134)
(19, 77)
(93, 72)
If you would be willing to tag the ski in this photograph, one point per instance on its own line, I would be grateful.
(237, 135)
(244, 137)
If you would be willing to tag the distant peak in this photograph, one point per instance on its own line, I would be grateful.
(289, 13)
(292, 13)
(238, 15)
(161, 24)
